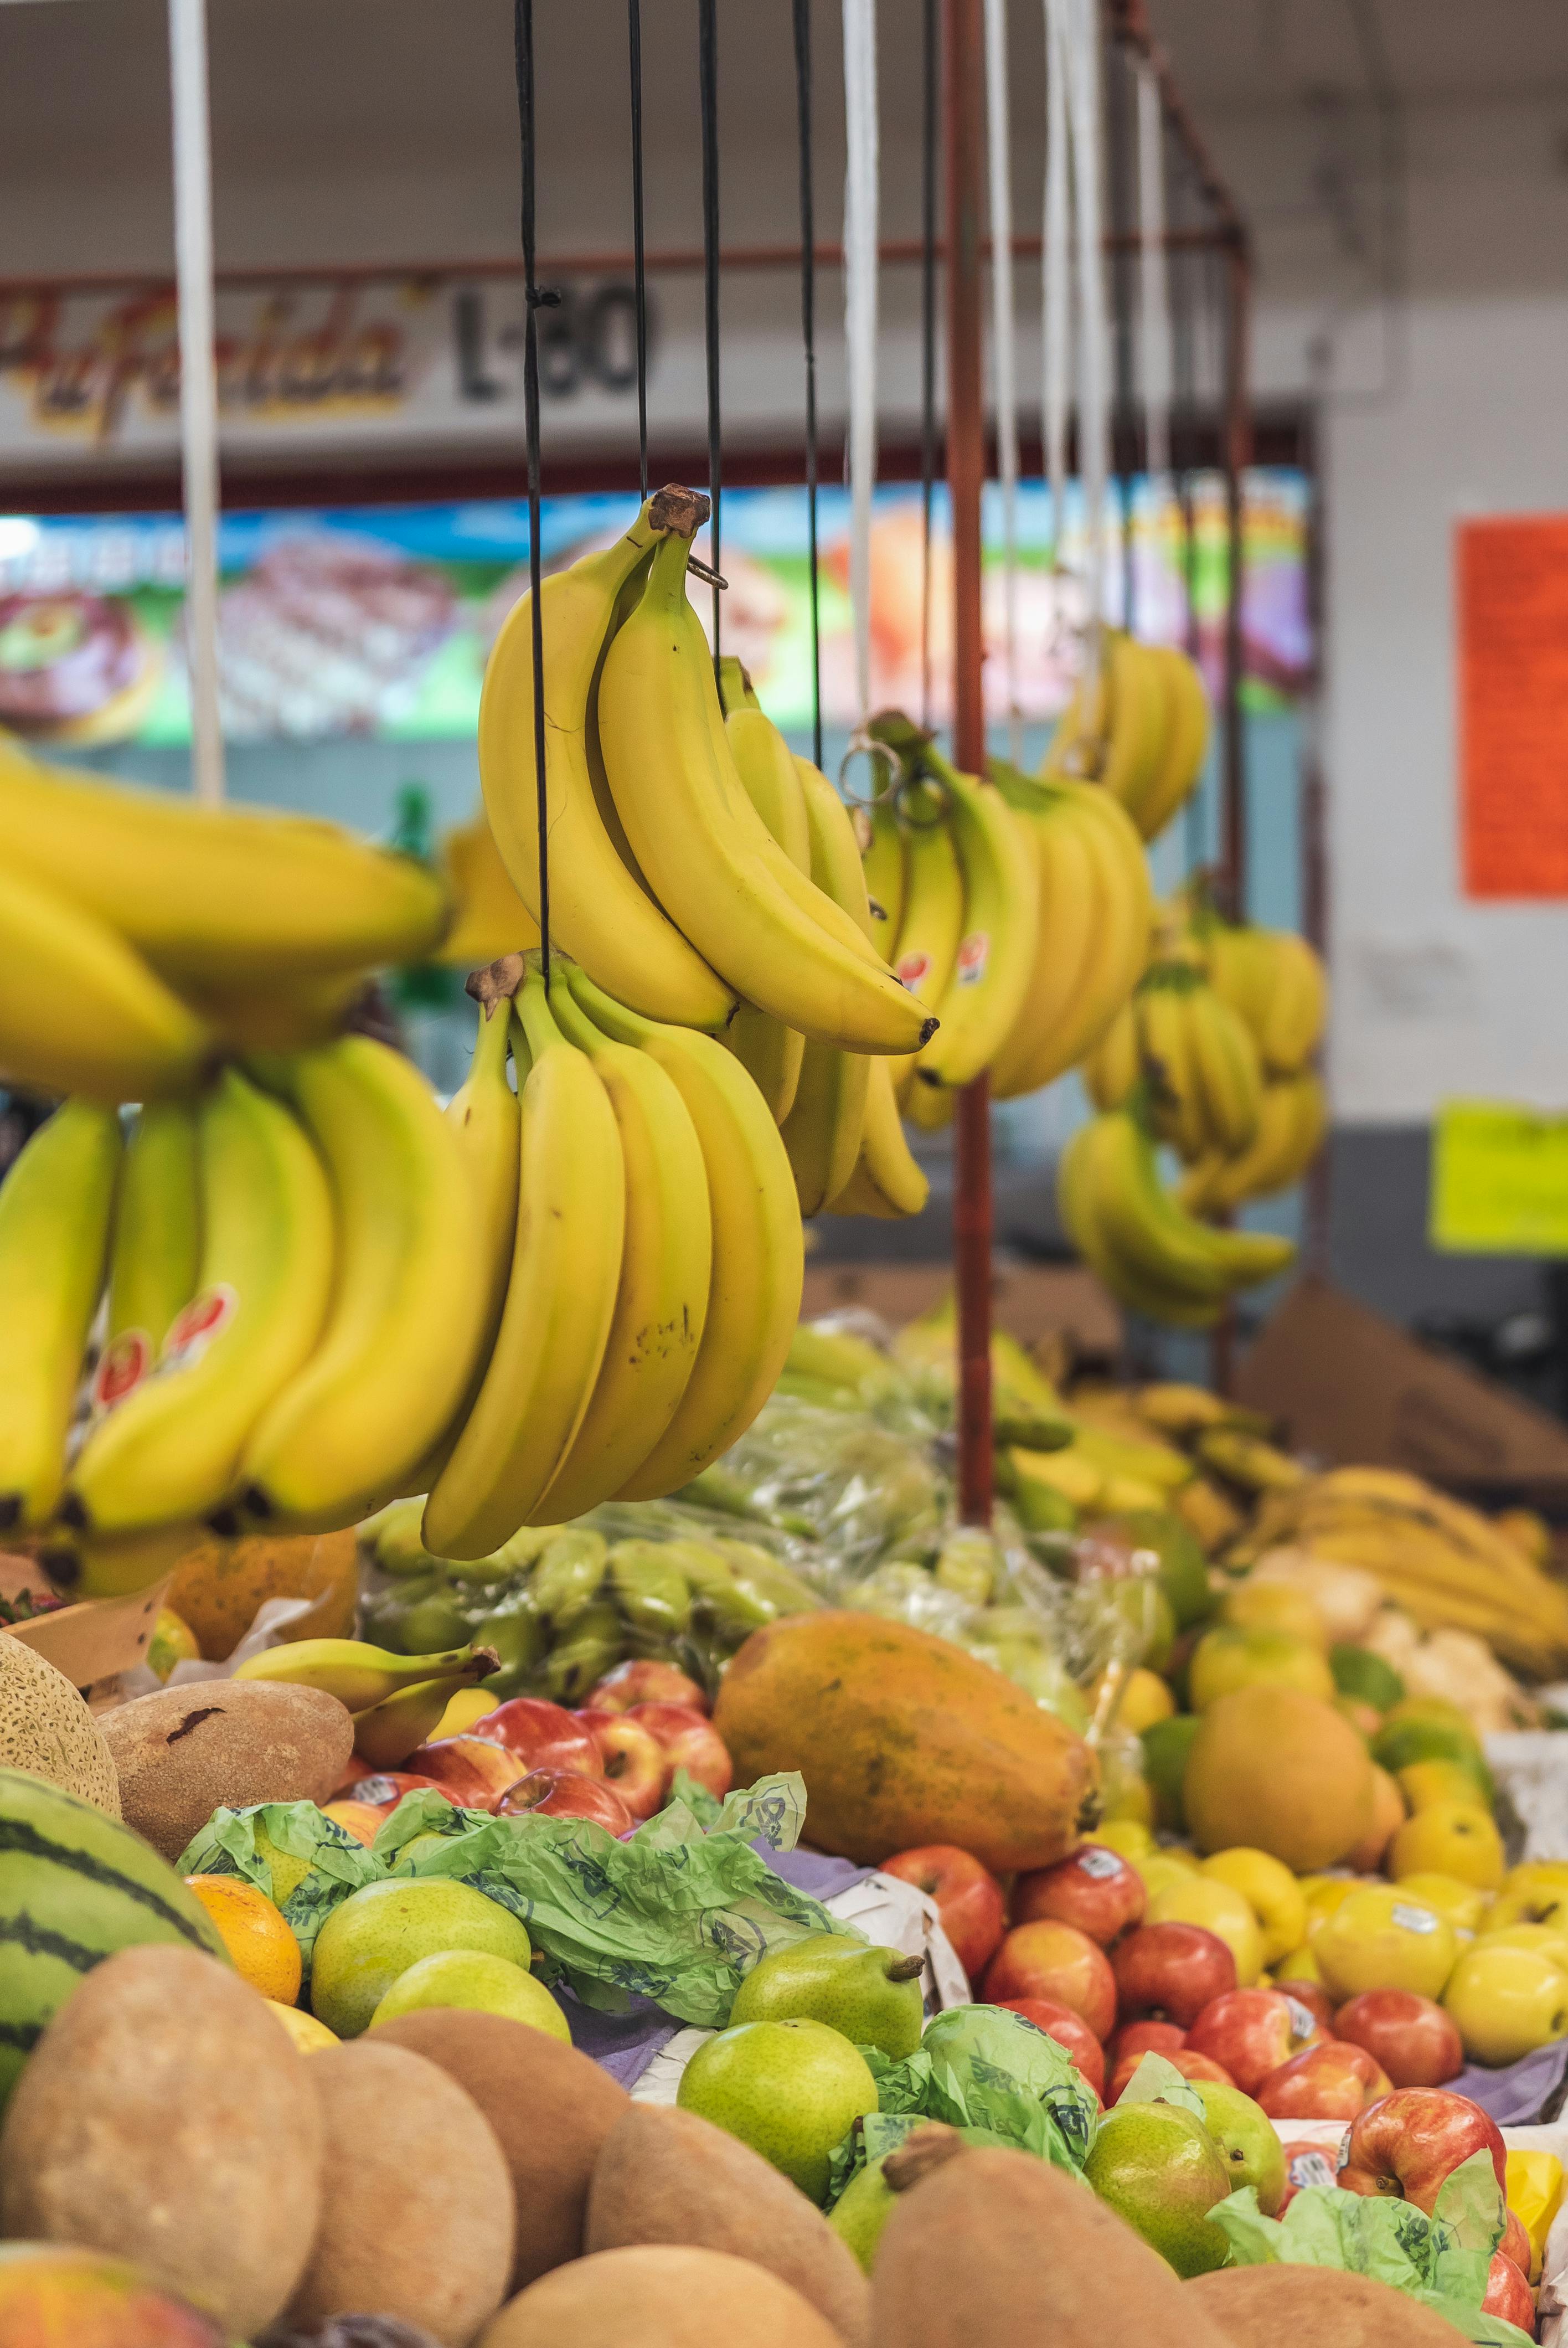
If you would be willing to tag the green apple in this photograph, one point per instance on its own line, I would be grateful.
(1161, 2169)
(378, 1932)
(1506, 2002)
(871, 1995)
(470, 1978)
(1245, 2135)
(792, 2090)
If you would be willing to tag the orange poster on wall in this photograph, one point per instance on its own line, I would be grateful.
(1511, 596)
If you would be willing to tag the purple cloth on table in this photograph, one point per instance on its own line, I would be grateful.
(625, 2044)
(1514, 2096)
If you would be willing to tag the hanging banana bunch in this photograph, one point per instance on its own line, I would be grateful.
(1195, 1054)
(1274, 982)
(1141, 729)
(1293, 1118)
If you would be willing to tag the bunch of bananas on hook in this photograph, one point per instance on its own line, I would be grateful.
(1138, 725)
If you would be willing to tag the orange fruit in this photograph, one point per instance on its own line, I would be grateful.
(219, 1585)
(265, 1951)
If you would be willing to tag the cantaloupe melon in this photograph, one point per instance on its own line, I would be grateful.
(904, 1739)
(47, 1729)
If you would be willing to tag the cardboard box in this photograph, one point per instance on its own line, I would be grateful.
(1350, 1386)
(1031, 1301)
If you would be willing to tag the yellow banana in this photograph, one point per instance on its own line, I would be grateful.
(888, 1180)
(156, 1253)
(599, 910)
(254, 1014)
(85, 1565)
(1114, 730)
(834, 852)
(1291, 1122)
(55, 1209)
(1297, 1007)
(1224, 1062)
(930, 1109)
(215, 893)
(357, 1673)
(1112, 1162)
(995, 955)
(705, 850)
(560, 1298)
(768, 1050)
(491, 919)
(666, 1265)
(410, 1297)
(1111, 1069)
(882, 857)
(1184, 738)
(171, 1450)
(1165, 1057)
(928, 944)
(753, 1296)
(822, 1131)
(1080, 1203)
(80, 1011)
(485, 1120)
(386, 1732)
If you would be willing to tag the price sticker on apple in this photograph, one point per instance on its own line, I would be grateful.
(1303, 2021)
(1101, 1865)
(1414, 1920)
(1313, 2168)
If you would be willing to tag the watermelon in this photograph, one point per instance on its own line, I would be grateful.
(75, 1886)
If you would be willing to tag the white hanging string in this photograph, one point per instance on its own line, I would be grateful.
(1155, 283)
(1093, 370)
(1056, 263)
(197, 384)
(1000, 157)
(860, 264)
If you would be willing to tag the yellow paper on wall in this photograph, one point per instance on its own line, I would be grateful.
(1499, 1180)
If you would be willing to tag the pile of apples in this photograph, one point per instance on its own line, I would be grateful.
(613, 1760)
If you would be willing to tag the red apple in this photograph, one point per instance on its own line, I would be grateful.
(1331, 2081)
(645, 1680)
(1144, 2038)
(542, 1735)
(566, 1794)
(470, 1768)
(1516, 2243)
(1095, 1889)
(1508, 2295)
(1068, 2030)
(1189, 2065)
(1407, 2142)
(1304, 2164)
(1313, 1997)
(1058, 1962)
(1413, 2039)
(633, 1763)
(1169, 1972)
(385, 1788)
(970, 1900)
(1252, 2032)
(690, 1742)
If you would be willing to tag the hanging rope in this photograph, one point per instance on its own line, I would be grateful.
(808, 339)
(928, 338)
(535, 300)
(860, 233)
(708, 80)
(1154, 279)
(198, 385)
(639, 248)
(1093, 386)
(1006, 372)
(1056, 262)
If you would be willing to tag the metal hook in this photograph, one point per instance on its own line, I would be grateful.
(701, 570)
(864, 745)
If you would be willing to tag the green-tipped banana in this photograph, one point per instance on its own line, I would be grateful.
(388, 1732)
(360, 1675)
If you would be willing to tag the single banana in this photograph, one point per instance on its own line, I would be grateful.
(219, 894)
(1224, 1061)
(358, 1674)
(1111, 1071)
(995, 956)
(156, 1254)
(753, 1296)
(768, 1050)
(1297, 1008)
(666, 1264)
(173, 1450)
(1165, 1053)
(882, 857)
(85, 1565)
(928, 944)
(886, 1180)
(1184, 742)
(80, 1011)
(929, 1108)
(834, 861)
(55, 1205)
(560, 1297)
(1067, 889)
(386, 1732)
(705, 850)
(491, 919)
(598, 911)
(410, 1298)
(822, 1131)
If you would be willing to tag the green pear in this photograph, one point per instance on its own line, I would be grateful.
(792, 2090)
(378, 1932)
(1159, 2169)
(468, 1977)
(867, 2202)
(1245, 2135)
(871, 1995)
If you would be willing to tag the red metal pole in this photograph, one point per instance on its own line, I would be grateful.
(965, 159)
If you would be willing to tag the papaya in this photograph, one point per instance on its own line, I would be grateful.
(903, 1740)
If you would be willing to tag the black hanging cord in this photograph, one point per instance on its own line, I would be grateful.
(639, 249)
(928, 340)
(808, 336)
(708, 80)
(535, 300)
